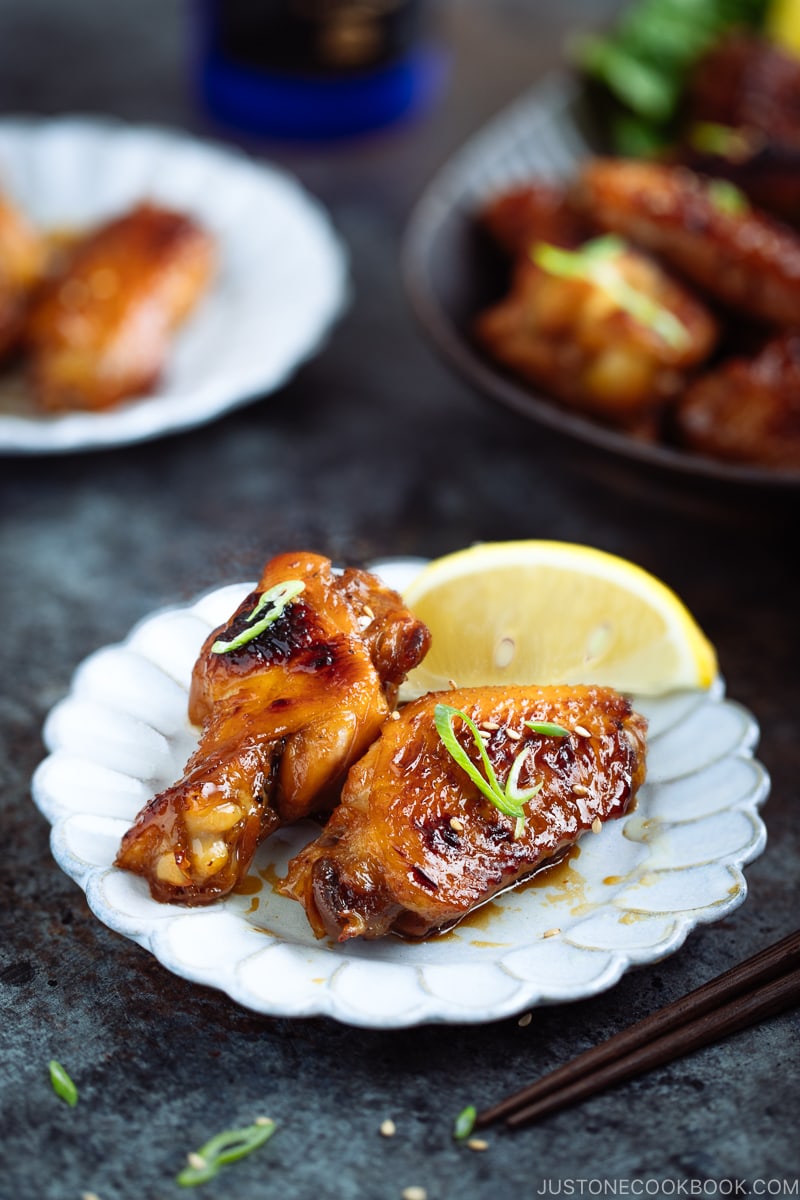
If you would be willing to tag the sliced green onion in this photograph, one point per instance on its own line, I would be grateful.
(464, 1123)
(509, 799)
(727, 198)
(224, 1148)
(594, 262)
(62, 1084)
(709, 137)
(279, 597)
(547, 729)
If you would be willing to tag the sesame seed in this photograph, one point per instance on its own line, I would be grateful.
(551, 932)
(263, 1121)
(477, 1144)
(597, 825)
(525, 1019)
(451, 683)
(414, 1193)
(578, 789)
(89, 1196)
(388, 1128)
(490, 725)
(485, 736)
(394, 716)
(196, 1160)
(456, 824)
(513, 734)
(581, 731)
(368, 612)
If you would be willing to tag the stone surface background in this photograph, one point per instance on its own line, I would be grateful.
(374, 449)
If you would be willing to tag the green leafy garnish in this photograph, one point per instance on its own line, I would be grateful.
(509, 799)
(464, 1123)
(279, 598)
(727, 198)
(596, 262)
(646, 58)
(224, 1148)
(62, 1084)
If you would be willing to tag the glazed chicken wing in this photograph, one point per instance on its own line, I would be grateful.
(702, 228)
(22, 260)
(415, 844)
(533, 212)
(748, 409)
(290, 693)
(101, 328)
(614, 339)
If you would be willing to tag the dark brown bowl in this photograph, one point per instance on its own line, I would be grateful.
(451, 273)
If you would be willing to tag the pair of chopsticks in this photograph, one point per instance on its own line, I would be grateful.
(760, 987)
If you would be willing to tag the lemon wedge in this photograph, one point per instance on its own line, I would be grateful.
(783, 24)
(552, 612)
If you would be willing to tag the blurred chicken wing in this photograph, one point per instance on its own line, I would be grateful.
(603, 329)
(101, 329)
(22, 261)
(703, 228)
(748, 410)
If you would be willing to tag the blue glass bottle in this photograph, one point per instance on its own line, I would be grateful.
(316, 69)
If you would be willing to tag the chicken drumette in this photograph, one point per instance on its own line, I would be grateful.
(290, 693)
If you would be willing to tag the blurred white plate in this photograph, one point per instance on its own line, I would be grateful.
(631, 894)
(281, 282)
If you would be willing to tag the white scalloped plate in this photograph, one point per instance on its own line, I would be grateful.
(281, 282)
(630, 895)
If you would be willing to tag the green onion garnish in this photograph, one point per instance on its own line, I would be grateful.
(464, 1123)
(509, 799)
(547, 729)
(727, 198)
(279, 597)
(595, 263)
(62, 1084)
(224, 1148)
(709, 137)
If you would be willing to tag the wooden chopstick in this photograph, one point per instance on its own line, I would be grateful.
(756, 988)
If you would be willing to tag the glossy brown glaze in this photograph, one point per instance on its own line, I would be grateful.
(414, 845)
(283, 716)
(748, 409)
(568, 336)
(22, 261)
(534, 212)
(745, 259)
(100, 331)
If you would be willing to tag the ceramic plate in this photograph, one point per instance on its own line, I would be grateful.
(629, 895)
(281, 282)
(451, 272)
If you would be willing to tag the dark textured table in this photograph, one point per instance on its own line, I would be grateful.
(372, 450)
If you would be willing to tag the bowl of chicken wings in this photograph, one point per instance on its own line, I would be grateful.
(647, 307)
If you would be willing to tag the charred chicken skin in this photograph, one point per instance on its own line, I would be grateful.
(290, 693)
(101, 328)
(415, 844)
(698, 226)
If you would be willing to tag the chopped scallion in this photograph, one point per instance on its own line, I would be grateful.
(62, 1084)
(224, 1148)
